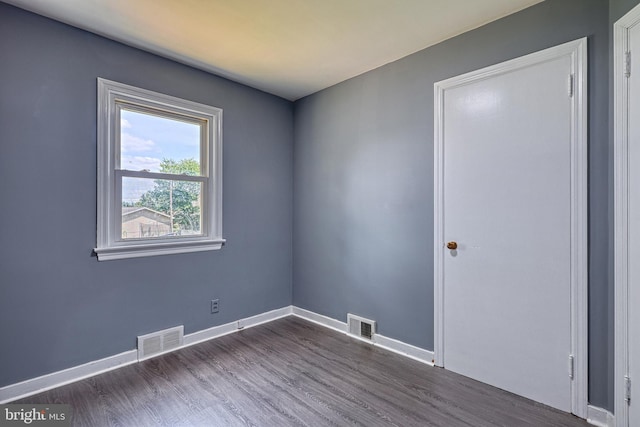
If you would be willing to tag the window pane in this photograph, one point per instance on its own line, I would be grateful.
(153, 208)
(158, 144)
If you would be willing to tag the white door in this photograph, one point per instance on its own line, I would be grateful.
(627, 219)
(507, 205)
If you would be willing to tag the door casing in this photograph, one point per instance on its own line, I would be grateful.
(622, 188)
(577, 52)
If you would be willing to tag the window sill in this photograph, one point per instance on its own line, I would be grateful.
(154, 249)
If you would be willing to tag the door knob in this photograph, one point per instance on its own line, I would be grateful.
(452, 245)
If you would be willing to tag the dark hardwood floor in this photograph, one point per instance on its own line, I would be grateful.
(292, 372)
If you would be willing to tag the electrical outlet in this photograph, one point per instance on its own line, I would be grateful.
(215, 306)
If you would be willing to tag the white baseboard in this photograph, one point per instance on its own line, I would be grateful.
(32, 386)
(96, 367)
(407, 350)
(227, 328)
(320, 319)
(66, 376)
(600, 417)
(595, 416)
(267, 317)
(404, 349)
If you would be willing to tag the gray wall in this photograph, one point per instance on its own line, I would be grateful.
(618, 8)
(361, 154)
(59, 306)
(363, 189)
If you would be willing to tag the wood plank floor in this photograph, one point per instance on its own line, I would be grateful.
(292, 373)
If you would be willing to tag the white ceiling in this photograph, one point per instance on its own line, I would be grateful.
(290, 48)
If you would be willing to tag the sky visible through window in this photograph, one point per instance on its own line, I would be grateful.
(146, 140)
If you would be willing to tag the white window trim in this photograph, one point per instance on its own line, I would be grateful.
(109, 244)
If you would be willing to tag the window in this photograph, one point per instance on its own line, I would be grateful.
(159, 174)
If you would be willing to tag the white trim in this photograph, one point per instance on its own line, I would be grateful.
(56, 379)
(404, 349)
(267, 317)
(621, 195)
(227, 328)
(579, 232)
(438, 226)
(390, 344)
(320, 319)
(144, 250)
(577, 51)
(66, 376)
(600, 417)
(110, 245)
(210, 333)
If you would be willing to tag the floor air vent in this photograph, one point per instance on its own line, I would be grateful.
(361, 327)
(159, 342)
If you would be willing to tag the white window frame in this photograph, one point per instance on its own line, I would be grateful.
(112, 96)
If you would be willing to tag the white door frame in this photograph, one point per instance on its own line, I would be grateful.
(577, 51)
(621, 193)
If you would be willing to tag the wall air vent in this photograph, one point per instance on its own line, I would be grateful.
(159, 342)
(361, 327)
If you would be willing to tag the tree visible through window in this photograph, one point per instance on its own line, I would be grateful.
(159, 175)
(178, 199)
